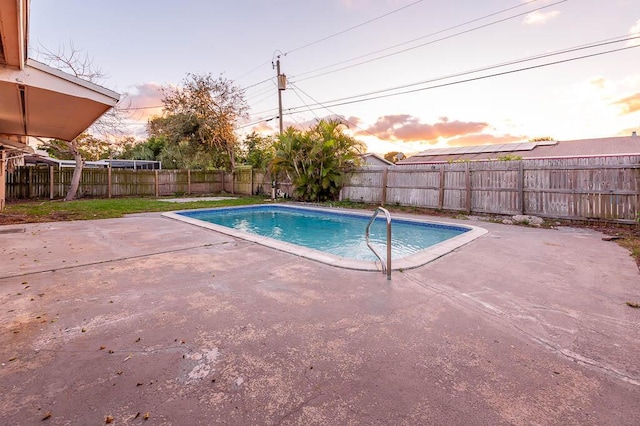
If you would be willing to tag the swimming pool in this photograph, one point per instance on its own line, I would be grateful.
(333, 236)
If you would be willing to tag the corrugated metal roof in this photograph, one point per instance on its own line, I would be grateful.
(507, 147)
(626, 145)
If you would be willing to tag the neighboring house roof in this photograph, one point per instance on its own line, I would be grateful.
(617, 146)
(42, 159)
(373, 159)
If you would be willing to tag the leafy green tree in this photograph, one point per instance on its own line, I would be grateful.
(509, 157)
(150, 149)
(258, 150)
(89, 147)
(542, 139)
(199, 122)
(316, 160)
(392, 156)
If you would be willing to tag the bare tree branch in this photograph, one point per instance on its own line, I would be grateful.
(72, 61)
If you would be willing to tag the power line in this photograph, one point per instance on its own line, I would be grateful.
(418, 38)
(381, 50)
(244, 126)
(272, 111)
(319, 105)
(331, 36)
(599, 43)
(352, 28)
(337, 115)
(258, 83)
(364, 23)
(269, 96)
(297, 122)
(142, 107)
(346, 120)
(294, 87)
(430, 42)
(160, 106)
(252, 70)
(292, 110)
(260, 93)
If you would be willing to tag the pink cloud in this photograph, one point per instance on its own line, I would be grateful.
(354, 120)
(630, 104)
(263, 127)
(144, 101)
(598, 82)
(404, 127)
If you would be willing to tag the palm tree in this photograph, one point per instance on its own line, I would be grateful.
(317, 159)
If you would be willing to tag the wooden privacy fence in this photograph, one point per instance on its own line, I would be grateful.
(247, 180)
(604, 188)
(52, 182)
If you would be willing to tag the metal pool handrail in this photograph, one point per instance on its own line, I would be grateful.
(386, 266)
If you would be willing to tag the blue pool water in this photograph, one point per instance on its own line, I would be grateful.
(342, 234)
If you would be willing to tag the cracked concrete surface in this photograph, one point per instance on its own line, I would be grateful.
(148, 315)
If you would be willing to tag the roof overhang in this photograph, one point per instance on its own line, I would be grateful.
(42, 101)
(14, 32)
(18, 143)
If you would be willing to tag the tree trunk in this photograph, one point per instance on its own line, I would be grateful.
(77, 174)
(232, 158)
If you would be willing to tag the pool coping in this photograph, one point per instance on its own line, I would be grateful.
(409, 262)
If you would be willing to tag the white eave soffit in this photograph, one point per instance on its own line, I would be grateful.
(39, 75)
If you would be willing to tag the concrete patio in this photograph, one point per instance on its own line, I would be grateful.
(144, 314)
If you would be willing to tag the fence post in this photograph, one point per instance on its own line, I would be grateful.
(251, 181)
(60, 182)
(521, 186)
(51, 183)
(467, 173)
(441, 189)
(109, 194)
(233, 181)
(157, 182)
(385, 177)
(189, 181)
(3, 177)
(29, 184)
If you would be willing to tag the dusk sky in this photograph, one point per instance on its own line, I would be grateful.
(334, 53)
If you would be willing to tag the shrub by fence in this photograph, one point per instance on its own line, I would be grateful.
(604, 188)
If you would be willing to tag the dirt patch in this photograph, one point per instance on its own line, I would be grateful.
(15, 218)
(19, 218)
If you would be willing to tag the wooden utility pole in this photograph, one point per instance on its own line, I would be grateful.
(282, 85)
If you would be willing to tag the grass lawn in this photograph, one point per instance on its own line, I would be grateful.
(83, 209)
